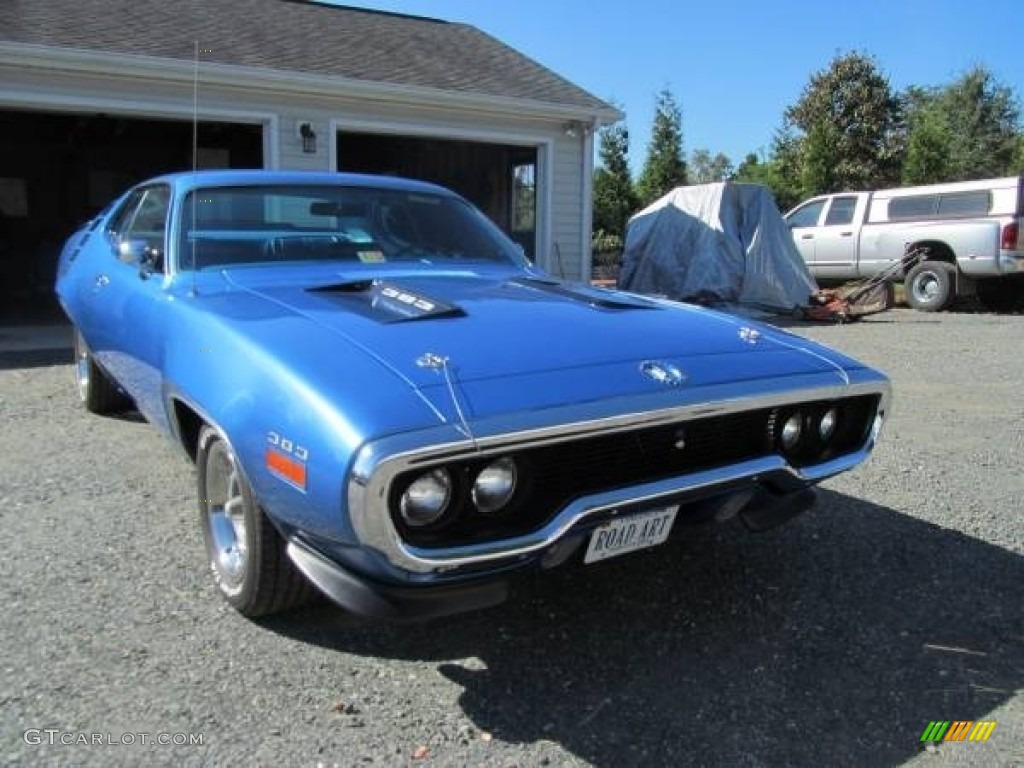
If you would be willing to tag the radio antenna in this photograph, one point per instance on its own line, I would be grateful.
(195, 161)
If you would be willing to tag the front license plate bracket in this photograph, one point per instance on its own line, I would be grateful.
(628, 534)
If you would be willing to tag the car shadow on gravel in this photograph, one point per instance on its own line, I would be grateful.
(831, 641)
(34, 358)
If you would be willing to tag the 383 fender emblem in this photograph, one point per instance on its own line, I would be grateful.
(287, 446)
(286, 460)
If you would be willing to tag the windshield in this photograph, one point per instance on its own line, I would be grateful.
(261, 225)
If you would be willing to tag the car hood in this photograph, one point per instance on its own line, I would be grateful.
(500, 344)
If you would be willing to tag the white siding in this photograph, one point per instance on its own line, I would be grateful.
(567, 208)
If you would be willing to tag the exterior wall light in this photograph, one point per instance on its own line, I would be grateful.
(308, 136)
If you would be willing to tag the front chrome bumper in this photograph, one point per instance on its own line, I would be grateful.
(378, 463)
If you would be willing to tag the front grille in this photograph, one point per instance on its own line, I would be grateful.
(567, 471)
(552, 476)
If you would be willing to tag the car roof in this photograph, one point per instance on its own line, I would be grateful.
(188, 180)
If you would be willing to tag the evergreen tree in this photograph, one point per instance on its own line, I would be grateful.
(615, 199)
(664, 169)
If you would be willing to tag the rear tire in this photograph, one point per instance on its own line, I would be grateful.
(97, 391)
(930, 286)
(247, 555)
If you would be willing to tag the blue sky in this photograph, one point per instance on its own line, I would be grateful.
(735, 66)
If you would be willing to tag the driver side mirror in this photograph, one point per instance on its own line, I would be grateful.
(138, 251)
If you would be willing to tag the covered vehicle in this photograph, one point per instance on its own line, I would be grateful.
(721, 243)
(353, 365)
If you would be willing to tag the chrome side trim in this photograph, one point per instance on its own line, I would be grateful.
(377, 464)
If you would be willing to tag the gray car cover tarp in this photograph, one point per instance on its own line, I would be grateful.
(723, 242)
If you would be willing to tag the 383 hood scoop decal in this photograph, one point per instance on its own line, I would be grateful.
(389, 302)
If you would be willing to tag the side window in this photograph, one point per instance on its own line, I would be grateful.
(913, 207)
(150, 220)
(138, 228)
(965, 203)
(125, 215)
(841, 211)
(808, 215)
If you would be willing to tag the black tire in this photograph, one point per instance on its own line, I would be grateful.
(247, 555)
(930, 286)
(96, 390)
(1001, 294)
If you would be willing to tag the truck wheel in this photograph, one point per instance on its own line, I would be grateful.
(1001, 294)
(247, 554)
(97, 391)
(929, 286)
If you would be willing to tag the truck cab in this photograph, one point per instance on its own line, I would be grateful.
(826, 232)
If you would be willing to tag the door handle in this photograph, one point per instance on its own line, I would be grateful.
(806, 237)
(845, 234)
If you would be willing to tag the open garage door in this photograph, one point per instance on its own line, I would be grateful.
(499, 179)
(58, 170)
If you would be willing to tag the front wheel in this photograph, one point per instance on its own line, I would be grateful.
(96, 390)
(247, 555)
(929, 286)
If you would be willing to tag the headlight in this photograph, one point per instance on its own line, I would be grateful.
(494, 485)
(426, 498)
(827, 425)
(792, 428)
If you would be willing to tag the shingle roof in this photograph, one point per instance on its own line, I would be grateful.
(299, 36)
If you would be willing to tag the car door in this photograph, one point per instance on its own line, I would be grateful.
(835, 240)
(803, 222)
(127, 299)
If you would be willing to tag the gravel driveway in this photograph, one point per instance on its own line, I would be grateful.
(831, 641)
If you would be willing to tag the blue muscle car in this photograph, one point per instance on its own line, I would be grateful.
(385, 401)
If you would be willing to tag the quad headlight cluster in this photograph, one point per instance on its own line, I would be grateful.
(440, 494)
(806, 432)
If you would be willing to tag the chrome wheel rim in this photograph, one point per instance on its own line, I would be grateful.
(926, 288)
(225, 516)
(81, 368)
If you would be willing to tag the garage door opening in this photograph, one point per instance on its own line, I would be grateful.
(499, 179)
(58, 170)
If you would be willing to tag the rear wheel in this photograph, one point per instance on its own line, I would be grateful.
(97, 391)
(930, 286)
(247, 555)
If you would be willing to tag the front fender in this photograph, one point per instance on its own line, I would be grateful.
(288, 390)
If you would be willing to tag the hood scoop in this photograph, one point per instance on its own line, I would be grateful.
(387, 302)
(594, 297)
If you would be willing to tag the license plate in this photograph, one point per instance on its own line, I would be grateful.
(629, 534)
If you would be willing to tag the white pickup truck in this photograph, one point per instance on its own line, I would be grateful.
(968, 233)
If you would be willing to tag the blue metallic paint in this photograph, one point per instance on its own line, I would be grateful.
(252, 350)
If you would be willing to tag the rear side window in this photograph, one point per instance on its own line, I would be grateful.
(841, 211)
(944, 205)
(965, 203)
